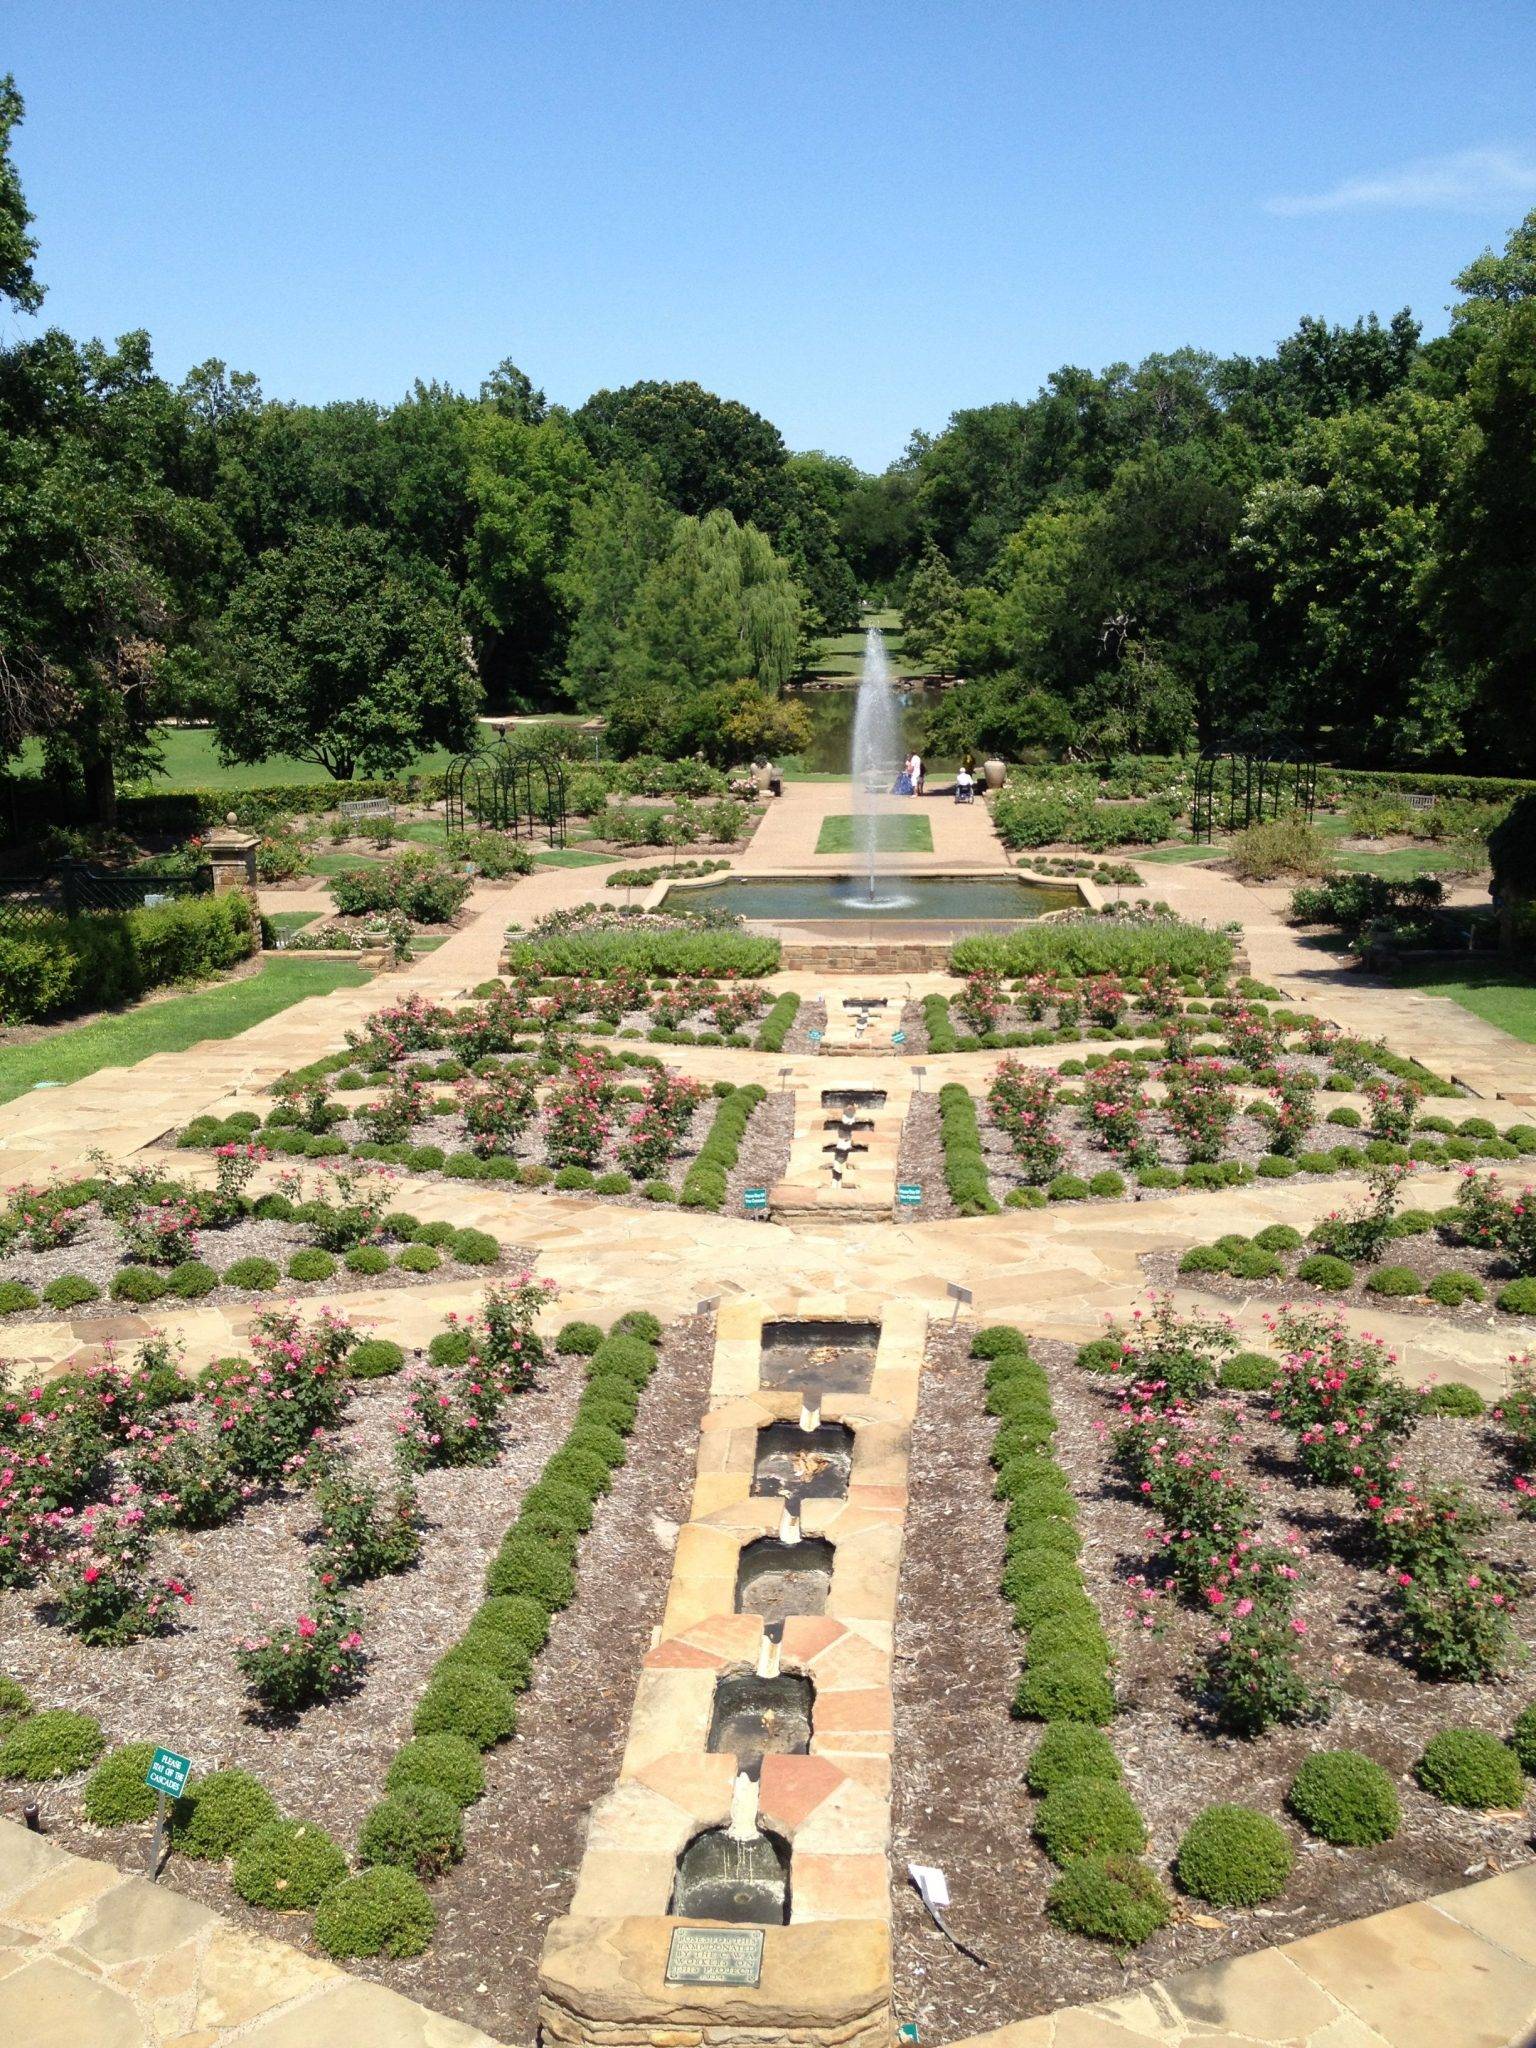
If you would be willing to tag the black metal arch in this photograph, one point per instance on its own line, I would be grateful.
(507, 786)
(1247, 779)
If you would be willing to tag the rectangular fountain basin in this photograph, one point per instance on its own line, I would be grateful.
(802, 1357)
(953, 900)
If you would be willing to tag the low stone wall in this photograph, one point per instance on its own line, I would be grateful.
(882, 956)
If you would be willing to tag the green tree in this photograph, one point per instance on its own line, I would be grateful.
(617, 537)
(524, 483)
(339, 653)
(18, 281)
(933, 612)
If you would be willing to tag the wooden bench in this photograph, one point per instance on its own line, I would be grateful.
(367, 807)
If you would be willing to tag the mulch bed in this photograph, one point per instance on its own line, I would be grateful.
(524, 1838)
(1426, 1252)
(920, 1157)
(959, 1801)
(811, 1016)
(764, 1155)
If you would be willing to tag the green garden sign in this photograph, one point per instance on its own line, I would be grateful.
(167, 1778)
(909, 1193)
(754, 1198)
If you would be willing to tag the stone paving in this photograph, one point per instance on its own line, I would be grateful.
(92, 1957)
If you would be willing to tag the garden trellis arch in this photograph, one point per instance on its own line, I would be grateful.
(507, 786)
(1246, 780)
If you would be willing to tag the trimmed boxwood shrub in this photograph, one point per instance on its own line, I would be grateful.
(115, 1793)
(1518, 1298)
(1070, 1750)
(416, 1828)
(1109, 1898)
(258, 1275)
(483, 1649)
(16, 1295)
(1065, 1689)
(638, 1322)
(579, 1340)
(54, 1744)
(705, 1181)
(450, 1348)
(1255, 1264)
(1088, 1817)
(999, 1340)
(474, 1248)
(14, 1704)
(287, 1865)
(575, 1177)
(1343, 1798)
(311, 1264)
(383, 1911)
(601, 1441)
(1107, 1184)
(467, 1700)
(1523, 1740)
(1067, 1187)
(1232, 1856)
(522, 1621)
(369, 1259)
(192, 1279)
(217, 1813)
(1454, 1288)
(444, 1761)
(1275, 1166)
(1394, 1280)
(1205, 1258)
(630, 1357)
(142, 1284)
(1073, 1634)
(1454, 1397)
(1102, 1354)
(70, 1290)
(418, 1258)
(1468, 1767)
(1323, 1270)
(554, 1511)
(572, 1466)
(375, 1358)
(526, 1565)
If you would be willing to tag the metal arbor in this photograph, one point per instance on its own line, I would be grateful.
(507, 786)
(1246, 781)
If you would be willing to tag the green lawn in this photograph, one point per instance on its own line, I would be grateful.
(1487, 988)
(285, 921)
(1188, 851)
(843, 653)
(325, 864)
(172, 1024)
(1396, 864)
(899, 833)
(573, 857)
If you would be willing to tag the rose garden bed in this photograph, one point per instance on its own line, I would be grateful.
(961, 1757)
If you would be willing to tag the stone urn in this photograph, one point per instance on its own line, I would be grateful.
(995, 773)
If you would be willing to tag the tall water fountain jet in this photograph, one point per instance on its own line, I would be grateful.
(876, 749)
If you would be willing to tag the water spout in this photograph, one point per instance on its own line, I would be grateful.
(742, 1826)
(810, 1410)
(789, 1522)
(876, 748)
(768, 1654)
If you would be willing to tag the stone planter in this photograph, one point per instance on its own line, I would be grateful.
(995, 773)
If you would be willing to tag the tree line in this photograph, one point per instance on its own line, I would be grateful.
(1334, 540)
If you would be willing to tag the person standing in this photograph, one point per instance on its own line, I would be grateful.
(917, 773)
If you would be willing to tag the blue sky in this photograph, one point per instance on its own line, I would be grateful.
(853, 217)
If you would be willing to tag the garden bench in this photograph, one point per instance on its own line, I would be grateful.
(1416, 801)
(367, 807)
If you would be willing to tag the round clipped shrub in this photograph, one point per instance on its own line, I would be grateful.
(555, 1511)
(1109, 1898)
(1101, 1354)
(115, 1793)
(14, 1704)
(1275, 1166)
(417, 1828)
(1074, 1634)
(638, 1322)
(217, 1813)
(1232, 1856)
(1088, 1817)
(445, 1762)
(368, 1259)
(311, 1264)
(1323, 1270)
(287, 1865)
(579, 1340)
(467, 1700)
(1067, 1187)
(1030, 1565)
(475, 1248)
(54, 1744)
(438, 1234)
(383, 1911)
(602, 1442)
(450, 1348)
(1205, 1258)
(140, 1284)
(70, 1290)
(659, 1191)
(1254, 1264)
(999, 1340)
(1070, 1750)
(1278, 1237)
(192, 1279)
(1454, 1288)
(259, 1276)
(1454, 1397)
(1107, 1184)
(16, 1295)
(1394, 1280)
(1468, 1767)
(575, 1177)
(1246, 1372)
(521, 1621)
(418, 1258)
(1065, 1689)
(1343, 1798)
(572, 1466)
(486, 1650)
(1518, 1298)
(375, 1358)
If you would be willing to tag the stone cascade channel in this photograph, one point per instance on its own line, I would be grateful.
(846, 1141)
(753, 1799)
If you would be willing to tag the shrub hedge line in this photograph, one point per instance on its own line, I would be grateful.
(645, 952)
(1096, 946)
(704, 1183)
(64, 963)
(965, 1171)
(778, 1023)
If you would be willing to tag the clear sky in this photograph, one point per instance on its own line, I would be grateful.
(853, 217)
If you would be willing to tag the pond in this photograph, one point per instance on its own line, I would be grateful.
(904, 899)
(831, 716)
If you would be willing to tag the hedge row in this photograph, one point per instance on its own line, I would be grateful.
(704, 1184)
(939, 1025)
(1085, 1820)
(965, 1170)
(778, 1023)
(1096, 946)
(665, 953)
(61, 964)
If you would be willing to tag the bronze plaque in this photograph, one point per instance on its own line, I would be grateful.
(715, 1955)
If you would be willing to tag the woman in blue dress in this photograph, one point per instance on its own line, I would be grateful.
(902, 786)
